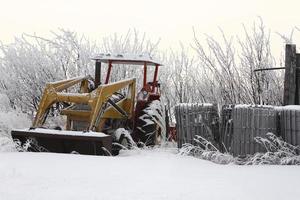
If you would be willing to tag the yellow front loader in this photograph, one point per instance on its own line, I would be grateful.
(94, 111)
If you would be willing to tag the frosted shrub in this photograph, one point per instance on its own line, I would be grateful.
(205, 150)
(278, 152)
(10, 119)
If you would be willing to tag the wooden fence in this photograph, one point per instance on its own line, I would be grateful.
(238, 125)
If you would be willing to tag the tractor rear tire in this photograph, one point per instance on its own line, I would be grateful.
(151, 125)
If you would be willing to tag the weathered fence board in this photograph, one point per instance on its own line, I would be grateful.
(250, 122)
(196, 119)
(289, 119)
(226, 127)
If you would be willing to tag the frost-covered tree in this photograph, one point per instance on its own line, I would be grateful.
(217, 60)
(262, 87)
(227, 68)
(215, 71)
(177, 78)
(32, 61)
(131, 43)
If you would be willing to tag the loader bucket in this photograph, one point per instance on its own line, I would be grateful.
(58, 141)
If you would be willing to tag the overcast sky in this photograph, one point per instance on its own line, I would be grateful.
(170, 20)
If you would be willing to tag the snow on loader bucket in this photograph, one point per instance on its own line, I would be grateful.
(46, 140)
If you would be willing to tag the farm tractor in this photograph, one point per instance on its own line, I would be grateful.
(97, 115)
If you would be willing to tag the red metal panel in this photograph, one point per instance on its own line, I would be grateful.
(145, 75)
(155, 78)
(108, 72)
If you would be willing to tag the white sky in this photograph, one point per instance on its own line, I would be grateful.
(170, 20)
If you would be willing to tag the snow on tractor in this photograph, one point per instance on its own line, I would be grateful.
(97, 114)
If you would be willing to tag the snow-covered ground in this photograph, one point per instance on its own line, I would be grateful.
(140, 174)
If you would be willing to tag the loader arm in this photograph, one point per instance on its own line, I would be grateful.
(96, 99)
(51, 95)
(104, 92)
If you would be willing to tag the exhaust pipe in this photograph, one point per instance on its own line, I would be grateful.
(97, 73)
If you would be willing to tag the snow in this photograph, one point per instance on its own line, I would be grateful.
(192, 104)
(147, 121)
(123, 58)
(278, 108)
(253, 106)
(71, 79)
(140, 174)
(120, 131)
(4, 103)
(62, 132)
(291, 107)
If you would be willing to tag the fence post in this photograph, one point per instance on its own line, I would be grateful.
(290, 75)
(297, 97)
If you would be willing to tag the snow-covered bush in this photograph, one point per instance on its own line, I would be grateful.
(277, 152)
(9, 119)
(205, 150)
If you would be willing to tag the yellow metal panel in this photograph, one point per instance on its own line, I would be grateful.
(111, 112)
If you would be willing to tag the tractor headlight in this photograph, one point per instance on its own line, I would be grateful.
(142, 95)
(145, 93)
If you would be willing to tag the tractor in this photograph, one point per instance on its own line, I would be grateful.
(100, 118)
